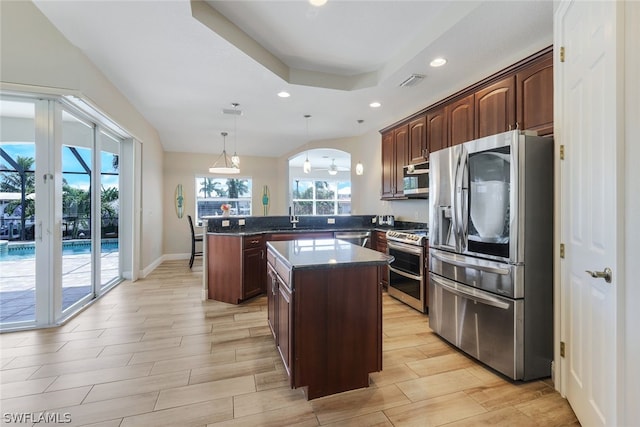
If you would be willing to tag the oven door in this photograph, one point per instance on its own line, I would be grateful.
(406, 274)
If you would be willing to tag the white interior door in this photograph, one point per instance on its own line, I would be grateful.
(589, 104)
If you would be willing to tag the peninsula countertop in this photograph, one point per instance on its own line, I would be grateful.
(325, 253)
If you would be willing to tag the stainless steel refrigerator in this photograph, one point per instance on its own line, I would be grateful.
(491, 251)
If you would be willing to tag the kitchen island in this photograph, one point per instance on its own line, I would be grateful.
(325, 312)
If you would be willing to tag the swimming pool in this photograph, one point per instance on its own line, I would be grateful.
(27, 250)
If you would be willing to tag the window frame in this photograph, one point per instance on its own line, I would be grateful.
(199, 185)
(336, 200)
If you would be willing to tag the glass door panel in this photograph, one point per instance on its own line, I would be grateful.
(17, 212)
(77, 260)
(109, 211)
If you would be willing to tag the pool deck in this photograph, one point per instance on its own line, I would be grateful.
(18, 278)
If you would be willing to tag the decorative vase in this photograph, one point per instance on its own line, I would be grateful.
(225, 213)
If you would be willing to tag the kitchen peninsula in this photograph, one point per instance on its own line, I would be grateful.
(325, 312)
(235, 248)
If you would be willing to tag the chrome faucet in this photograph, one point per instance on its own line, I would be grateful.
(293, 219)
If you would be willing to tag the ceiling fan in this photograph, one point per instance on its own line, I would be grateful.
(333, 169)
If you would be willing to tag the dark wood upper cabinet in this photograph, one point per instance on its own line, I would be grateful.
(519, 96)
(417, 145)
(401, 136)
(460, 115)
(496, 108)
(437, 134)
(534, 92)
(388, 164)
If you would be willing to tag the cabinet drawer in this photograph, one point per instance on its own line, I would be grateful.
(271, 258)
(284, 272)
(253, 241)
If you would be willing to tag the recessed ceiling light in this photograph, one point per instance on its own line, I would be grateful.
(438, 62)
(317, 3)
(284, 94)
(375, 104)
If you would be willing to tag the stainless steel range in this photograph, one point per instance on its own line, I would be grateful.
(407, 278)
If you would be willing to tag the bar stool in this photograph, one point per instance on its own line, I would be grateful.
(194, 238)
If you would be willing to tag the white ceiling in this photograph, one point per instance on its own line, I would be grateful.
(180, 74)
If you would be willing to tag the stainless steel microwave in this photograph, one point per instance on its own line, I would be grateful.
(416, 180)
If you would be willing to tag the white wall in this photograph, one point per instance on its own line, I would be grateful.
(182, 168)
(365, 189)
(34, 53)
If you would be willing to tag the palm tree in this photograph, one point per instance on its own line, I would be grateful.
(19, 178)
(237, 187)
(76, 207)
(209, 186)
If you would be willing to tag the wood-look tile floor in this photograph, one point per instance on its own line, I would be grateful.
(151, 353)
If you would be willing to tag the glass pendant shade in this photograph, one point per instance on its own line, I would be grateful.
(306, 168)
(224, 164)
(235, 159)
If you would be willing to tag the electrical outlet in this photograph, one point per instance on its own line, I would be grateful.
(331, 220)
(225, 222)
(241, 222)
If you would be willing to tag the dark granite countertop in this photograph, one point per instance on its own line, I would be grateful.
(325, 253)
(308, 224)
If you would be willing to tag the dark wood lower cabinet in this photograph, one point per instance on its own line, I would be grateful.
(381, 246)
(327, 324)
(236, 267)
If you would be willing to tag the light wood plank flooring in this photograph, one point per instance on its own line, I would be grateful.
(151, 353)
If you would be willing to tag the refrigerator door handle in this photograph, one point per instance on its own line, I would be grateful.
(455, 217)
(464, 199)
(477, 296)
(449, 259)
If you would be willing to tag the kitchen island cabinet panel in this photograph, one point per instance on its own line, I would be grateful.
(381, 246)
(338, 329)
(327, 315)
(284, 337)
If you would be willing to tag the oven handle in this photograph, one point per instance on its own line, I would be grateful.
(405, 274)
(482, 298)
(414, 250)
(451, 260)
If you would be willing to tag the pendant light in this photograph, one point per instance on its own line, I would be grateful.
(235, 159)
(223, 163)
(333, 169)
(306, 168)
(360, 166)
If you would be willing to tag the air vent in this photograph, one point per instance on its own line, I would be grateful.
(232, 112)
(412, 80)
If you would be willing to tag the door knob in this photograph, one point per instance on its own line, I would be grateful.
(606, 274)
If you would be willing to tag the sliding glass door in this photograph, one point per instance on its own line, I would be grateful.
(76, 187)
(109, 210)
(59, 211)
(18, 215)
